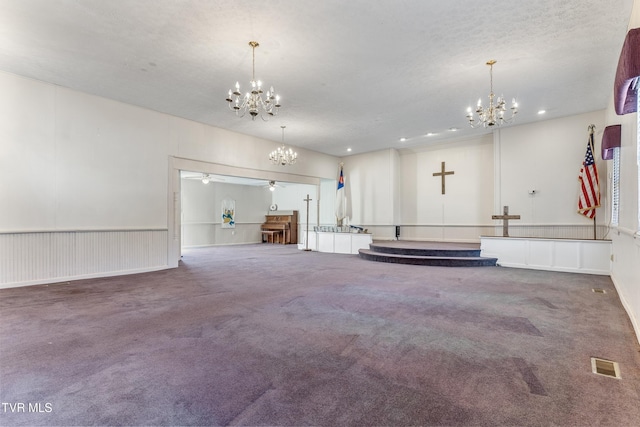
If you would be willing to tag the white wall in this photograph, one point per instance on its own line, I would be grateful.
(73, 162)
(327, 211)
(370, 189)
(201, 210)
(291, 197)
(625, 267)
(202, 207)
(70, 161)
(547, 157)
(466, 206)
(390, 187)
(494, 170)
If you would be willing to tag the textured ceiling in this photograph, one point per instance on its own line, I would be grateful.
(358, 73)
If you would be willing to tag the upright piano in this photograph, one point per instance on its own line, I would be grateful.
(284, 221)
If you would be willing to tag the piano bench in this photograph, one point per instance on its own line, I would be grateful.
(271, 236)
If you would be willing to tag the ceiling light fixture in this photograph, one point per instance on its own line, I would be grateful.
(253, 101)
(494, 113)
(206, 178)
(272, 185)
(283, 156)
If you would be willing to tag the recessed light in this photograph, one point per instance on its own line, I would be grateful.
(430, 134)
(453, 129)
(541, 112)
(348, 149)
(403, 139)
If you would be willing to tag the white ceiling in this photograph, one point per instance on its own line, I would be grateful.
(229, 179)
(358, 73)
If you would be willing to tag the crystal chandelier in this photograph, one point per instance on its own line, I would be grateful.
(283, 156)
(494, 113)
(253, 101)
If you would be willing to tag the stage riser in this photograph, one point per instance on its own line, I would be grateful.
(424, 255)
(447, 253)
(433, 261)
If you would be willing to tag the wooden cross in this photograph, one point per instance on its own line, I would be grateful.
(505, 220)
(307, 239)
(442, 174)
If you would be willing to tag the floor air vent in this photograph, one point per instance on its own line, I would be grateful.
(599, 291)
(605, 367)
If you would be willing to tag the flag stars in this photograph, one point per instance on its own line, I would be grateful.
(589, 198)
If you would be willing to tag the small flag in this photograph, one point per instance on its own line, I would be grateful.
(341, 202)
(589, 198)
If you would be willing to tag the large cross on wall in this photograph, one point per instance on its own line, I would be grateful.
(442, 175)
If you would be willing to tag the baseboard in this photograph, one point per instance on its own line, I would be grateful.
(552, 268)
(213, 245)
(58, 280)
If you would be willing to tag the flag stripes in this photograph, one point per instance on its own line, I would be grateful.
(589, 198)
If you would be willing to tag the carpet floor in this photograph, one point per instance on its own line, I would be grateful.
(269, 335)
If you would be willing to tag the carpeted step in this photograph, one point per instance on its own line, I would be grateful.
(442, 261)
(423, 251)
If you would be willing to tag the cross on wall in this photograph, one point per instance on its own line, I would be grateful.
(442, 174)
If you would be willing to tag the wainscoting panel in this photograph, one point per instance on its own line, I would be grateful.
(443, 233)
(568, 255)
(198, 234)
(625, 272)
(552, 231)
(472, 232)
(46, 257)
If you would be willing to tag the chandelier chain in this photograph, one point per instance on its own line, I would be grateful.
(494, 114)
(253, 60)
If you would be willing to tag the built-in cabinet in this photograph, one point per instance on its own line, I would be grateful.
(339, 243)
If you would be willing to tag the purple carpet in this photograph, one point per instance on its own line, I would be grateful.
(269, 335)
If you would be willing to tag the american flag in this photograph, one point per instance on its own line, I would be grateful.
(589, 198)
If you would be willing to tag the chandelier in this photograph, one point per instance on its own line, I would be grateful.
(494, 113)
(253, 101)
(283, 156)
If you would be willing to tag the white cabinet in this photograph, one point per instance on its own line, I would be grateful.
(339, 243)
(569, 255)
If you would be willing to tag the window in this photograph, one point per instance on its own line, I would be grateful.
(637, 83)
(615, 187)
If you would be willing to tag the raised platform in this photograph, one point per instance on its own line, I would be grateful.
(566, 255)
(337, 243)
(427, 253)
